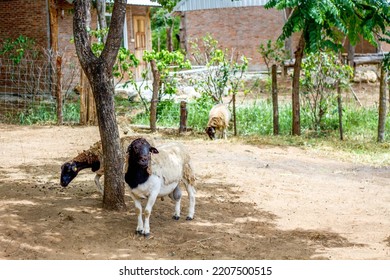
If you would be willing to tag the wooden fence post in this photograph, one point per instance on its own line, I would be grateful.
(183, 117)
(340, 110)
(275, 100)
(59, 90)
(87, 102)
(382, 105)
(234, 114)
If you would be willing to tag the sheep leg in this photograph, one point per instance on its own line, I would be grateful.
(148, 210)
(138, 212)
(98, 185)
(191, 195)
(176, 197)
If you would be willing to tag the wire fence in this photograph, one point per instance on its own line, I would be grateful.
(29, 86)
(29, 90)
(25, 85)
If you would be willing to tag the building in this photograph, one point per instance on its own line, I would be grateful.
(50, 24)
(239, 26)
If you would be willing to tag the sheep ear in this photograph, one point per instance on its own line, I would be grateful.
(95, 166)
(153, 150)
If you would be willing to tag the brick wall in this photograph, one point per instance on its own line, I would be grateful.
(24, 17)
(241, 29)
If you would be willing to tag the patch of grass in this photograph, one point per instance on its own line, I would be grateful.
(255, 125)
(46, 114)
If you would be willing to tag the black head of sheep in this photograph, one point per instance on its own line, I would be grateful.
(69, 171)
(139, 162)
(210, 132)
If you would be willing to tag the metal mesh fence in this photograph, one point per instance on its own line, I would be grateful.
(28, 88)
(25, 85)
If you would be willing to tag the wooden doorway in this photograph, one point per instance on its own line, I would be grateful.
(140, 37)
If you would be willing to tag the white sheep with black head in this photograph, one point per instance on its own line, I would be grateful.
(152, 173)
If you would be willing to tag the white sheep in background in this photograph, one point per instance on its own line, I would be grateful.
(219, 118)
(91, 158)
(157, 176)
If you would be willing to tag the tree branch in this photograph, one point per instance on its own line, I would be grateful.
(115, 33)
(80, 31)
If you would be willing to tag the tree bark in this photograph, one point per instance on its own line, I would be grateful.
(101, 12)
(288, 41)
(53, 13)
(351, 54)
(169, 38)
(234, 114)
(382, 106)
(99, 73)
(154, 101)
(296, 110)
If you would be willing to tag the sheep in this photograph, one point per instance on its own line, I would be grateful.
(157, 176)
(91, 158)
(219, 118)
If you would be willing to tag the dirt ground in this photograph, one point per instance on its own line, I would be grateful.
(253, 202)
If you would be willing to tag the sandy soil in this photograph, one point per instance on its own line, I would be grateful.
(253, 202)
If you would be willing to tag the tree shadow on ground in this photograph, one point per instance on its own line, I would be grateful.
(42, 220)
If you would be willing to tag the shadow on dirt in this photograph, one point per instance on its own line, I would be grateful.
(42, 220)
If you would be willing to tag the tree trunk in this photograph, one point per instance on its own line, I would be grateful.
(296, 110)
(53, 14)
(169, 38)
(99, 73)
(154, 101)
(351, 54)
(55, 58)
(275, 105)
(234, 114)
(288, 41)
(382, 106)
(183, 33)
(101, 12)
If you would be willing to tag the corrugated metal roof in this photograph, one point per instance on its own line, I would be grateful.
(135, 2)
(191, 5)
(143, 3)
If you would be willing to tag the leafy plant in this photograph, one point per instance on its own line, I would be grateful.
(166, 64)
(222, 71)
(162, 64)
(19, 48)
(273, 53)
(322, 72)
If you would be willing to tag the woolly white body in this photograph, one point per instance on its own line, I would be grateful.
(219, 118)
(170, 168)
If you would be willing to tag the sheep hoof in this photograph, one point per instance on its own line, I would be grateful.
(147, 235)
(189, 219)
(139, 232)
(175, 217)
